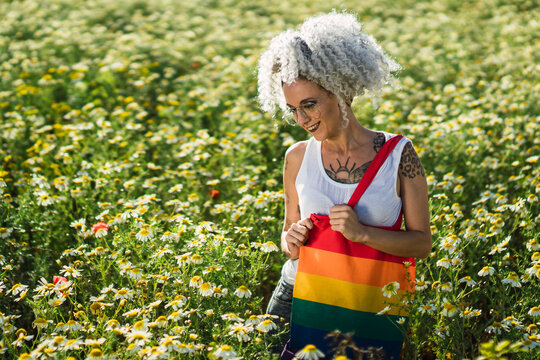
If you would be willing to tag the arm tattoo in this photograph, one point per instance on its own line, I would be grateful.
(410, 165)
(378, 142)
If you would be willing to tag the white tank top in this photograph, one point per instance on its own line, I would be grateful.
(317, 193)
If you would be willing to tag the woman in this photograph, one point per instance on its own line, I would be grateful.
(313, 75)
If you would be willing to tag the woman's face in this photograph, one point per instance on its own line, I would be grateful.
(314, 109)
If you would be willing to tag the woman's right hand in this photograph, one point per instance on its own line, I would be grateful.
(296, 236)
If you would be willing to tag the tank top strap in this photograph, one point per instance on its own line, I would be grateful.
(309, 161)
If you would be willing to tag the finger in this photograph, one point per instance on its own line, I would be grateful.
(292, 242)
(340, 211)
(350, 213)
(341, 207)
(302, 238)
(296, 238)
(337, 222)
(307, 223)
(300, 228)
(293, 250)
(341, 215)
(295, 235)
(292, 246)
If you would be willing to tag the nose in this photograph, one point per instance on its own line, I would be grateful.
(302, 118)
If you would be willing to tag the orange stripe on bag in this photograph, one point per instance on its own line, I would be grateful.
(354, 269)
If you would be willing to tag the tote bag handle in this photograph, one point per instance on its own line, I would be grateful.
(373, 168)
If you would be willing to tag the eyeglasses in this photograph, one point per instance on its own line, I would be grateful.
(309, 109)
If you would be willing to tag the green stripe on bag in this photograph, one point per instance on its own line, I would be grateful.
(328, 318)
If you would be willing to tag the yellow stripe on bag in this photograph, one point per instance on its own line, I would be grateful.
(344, 294)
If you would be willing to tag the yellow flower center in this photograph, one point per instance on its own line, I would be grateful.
(205, 286)
(96, 353)
(139, 325)
(448, 306)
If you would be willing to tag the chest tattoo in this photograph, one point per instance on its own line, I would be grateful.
(346, 174)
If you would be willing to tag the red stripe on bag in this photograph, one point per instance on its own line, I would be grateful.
(322, 231)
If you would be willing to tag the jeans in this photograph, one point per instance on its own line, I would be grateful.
(281, 301)
(280, 304)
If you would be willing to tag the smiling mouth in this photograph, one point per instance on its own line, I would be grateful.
(313, 127)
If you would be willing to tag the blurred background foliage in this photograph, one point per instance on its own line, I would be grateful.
(106, 106)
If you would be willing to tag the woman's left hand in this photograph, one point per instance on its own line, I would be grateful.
(343, 219)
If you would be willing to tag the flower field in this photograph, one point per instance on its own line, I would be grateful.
(140, 184)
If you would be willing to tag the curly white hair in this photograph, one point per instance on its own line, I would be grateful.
(329, 50)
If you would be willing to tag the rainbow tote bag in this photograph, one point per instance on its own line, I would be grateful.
(339, 283)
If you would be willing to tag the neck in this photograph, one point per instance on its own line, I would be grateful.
(348, 138)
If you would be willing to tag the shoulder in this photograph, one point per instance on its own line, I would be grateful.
(381, 137)
(410, 165)
(295, 153)
(293, 158)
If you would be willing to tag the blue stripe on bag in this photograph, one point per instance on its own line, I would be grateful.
(306, 335)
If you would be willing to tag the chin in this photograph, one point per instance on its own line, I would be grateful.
(318, 136)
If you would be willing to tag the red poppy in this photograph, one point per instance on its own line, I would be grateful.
(99, 226)
(59, 280)
(214, 193)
